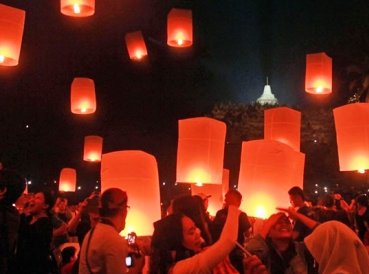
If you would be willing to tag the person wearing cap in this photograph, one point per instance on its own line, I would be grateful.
(297, 200)
(103, 249)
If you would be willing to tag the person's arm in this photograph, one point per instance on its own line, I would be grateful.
(310, 223)
(206, 260)
(73, 223)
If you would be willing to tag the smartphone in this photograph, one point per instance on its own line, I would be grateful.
(129, 260)
(245, 251)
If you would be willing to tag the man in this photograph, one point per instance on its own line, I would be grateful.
(297, 199)
(233, 197)
(104, 250)
(11, 187)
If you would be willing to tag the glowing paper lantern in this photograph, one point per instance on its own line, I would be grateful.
(67, 180)
(268, 170)
(216, 199)
(352, 131)
(83, 100)
(11, 29)
(77, 8)
(179, 28)
(200, 151)
(318, 77)
(283, 124)
(136, 46)
(92, 148)
(135, 172)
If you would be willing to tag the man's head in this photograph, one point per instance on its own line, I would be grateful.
(233, 197)
(114, 206)
(297, 197)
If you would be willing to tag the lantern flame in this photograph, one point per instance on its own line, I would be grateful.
(76, 8)
(362, 171)
(199, 184)
(2, 58)
(138, 54)
(260, 212)
(319, 89)
(180, 42)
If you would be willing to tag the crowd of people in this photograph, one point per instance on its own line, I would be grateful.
(45, 235)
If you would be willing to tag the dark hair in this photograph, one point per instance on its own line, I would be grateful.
(166, 244)
(328, 200)
(67, 254)
(113, 200)
(193, 207)
(235, 193)
(49, 199)
(297, 191)
(14, 185)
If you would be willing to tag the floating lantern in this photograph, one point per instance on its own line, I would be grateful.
(77, 8)
(318, 78)
(215, 193)
(135, 172)
(83, 100)
(92, 148)
(67, 180)
(268, 170)
(352, 131)
(11, 29)
(200, 151)
(179, 28)
(283, 124)
(136, 46)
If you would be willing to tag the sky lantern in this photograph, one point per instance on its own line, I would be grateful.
(67, 180)
(179, 28)
(77, 8)
(318, 77)
(11, 29)
(268, 170)
(352, 131)
(135, 172)
(215, 193)
(92, 148)
(283, 124)
(136, 46)
(200, 151)
(83, 100)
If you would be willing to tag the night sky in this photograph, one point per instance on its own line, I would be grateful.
(237, 44)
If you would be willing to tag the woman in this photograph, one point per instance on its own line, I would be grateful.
(35, 234)
(337, 249)
(178, 246)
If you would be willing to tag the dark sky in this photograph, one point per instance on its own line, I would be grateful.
(237, 43)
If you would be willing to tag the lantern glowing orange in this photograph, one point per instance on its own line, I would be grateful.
(200, 151)
(11, 29)
(67, 180)
(352, 131)
(179, 28)
(216, 199)
(318, 77)
(268, 170)
(136, 46)
(92, 148)
(283, 124)
(135, 172)
(77, 8)
(82, 96)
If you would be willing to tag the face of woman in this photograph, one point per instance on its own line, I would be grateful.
(191, 235)
(37, 204)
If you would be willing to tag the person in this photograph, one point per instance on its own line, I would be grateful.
(232, 197)
(297, 199)
(104, 250)
(275, 247)
(362, 216)
(68, 255)
(35, 234)
(12, 186)
(177, 245)
(205, 199)
(337, 249)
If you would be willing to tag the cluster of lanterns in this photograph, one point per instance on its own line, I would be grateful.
(268, 168)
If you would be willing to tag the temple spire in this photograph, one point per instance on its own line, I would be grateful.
(267, 97)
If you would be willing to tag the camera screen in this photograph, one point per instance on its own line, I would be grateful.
(129, 261)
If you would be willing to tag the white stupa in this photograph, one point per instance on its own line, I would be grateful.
(267, 98)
